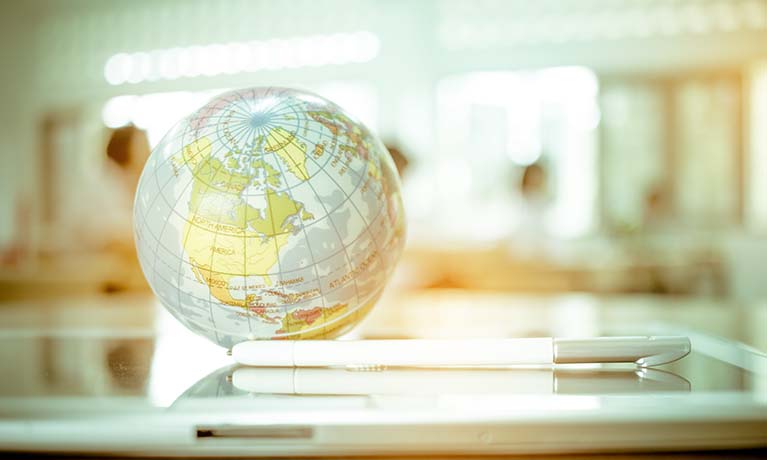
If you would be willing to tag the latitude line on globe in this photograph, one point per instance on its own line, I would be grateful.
(338, 235)
(162, 231)
(259, 236)
(194, 280)
(308, 245)
(269, 111)
(258, 133)
(194, 176)
(243, 134)
(224, 146)
(212, 256)
(215, 237)
(334, 181)
(162, 187)
(217, 117)
(164, 226)
(179, 271)
(220, 117)
(211, 156)
(245, 255)
(187, 129)
(287, 271)
(357, 186)
(172, 207)
(367, 225)
(237, 143)
(327, 213)
(191, 279)
(348, 197)
(351, 170)
(274, 230)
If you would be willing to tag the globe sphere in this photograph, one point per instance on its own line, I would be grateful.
(269, 213)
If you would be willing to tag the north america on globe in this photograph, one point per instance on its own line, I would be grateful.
(269, 213)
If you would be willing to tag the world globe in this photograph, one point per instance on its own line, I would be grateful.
(269, 213)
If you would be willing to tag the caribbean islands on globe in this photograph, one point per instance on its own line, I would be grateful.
(269, 213)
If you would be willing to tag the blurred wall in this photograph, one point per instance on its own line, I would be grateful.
(706, 57)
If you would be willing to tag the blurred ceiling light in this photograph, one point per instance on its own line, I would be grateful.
(154, 113)
(524, 157)
(169, 64)
(117, 68)
(232, 58)
(157, 112)
(592, 20)
(140, 68)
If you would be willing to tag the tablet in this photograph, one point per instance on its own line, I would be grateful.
(142, 394)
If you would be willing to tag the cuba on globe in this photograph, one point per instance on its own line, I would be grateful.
(269, 213)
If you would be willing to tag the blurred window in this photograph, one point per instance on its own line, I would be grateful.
(491, 126)
(672, 154)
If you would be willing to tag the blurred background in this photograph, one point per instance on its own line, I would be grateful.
(589, 145)
(608, 154)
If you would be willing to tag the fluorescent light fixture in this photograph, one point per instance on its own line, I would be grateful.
(232, 58)
(156, 113)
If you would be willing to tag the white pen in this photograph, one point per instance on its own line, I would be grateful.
(644, 351)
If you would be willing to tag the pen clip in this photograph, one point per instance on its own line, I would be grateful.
(643, 351)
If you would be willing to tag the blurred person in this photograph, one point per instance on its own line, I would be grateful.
(18, 248)
(533, 183)
(532, 211)
(534, 191)
(128, 362)
(128, 149)
(655, 215)
(400, 159)
(105, 223)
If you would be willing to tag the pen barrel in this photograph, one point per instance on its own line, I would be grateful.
(467, 352)
(644, 351)
(417, 352)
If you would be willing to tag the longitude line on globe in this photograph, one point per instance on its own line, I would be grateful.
(306, 237)
(340, 239)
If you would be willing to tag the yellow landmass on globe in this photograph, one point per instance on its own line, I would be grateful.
(318, 322)
(340, 125)
(287, 146)
(373, 170)
(303, 319)
(224, 236)
(272, 175)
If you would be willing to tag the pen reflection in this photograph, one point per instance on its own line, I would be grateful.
(233, 381)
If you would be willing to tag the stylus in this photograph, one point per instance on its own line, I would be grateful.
(643, 350)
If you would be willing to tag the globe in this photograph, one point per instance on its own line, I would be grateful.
(269, 213)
